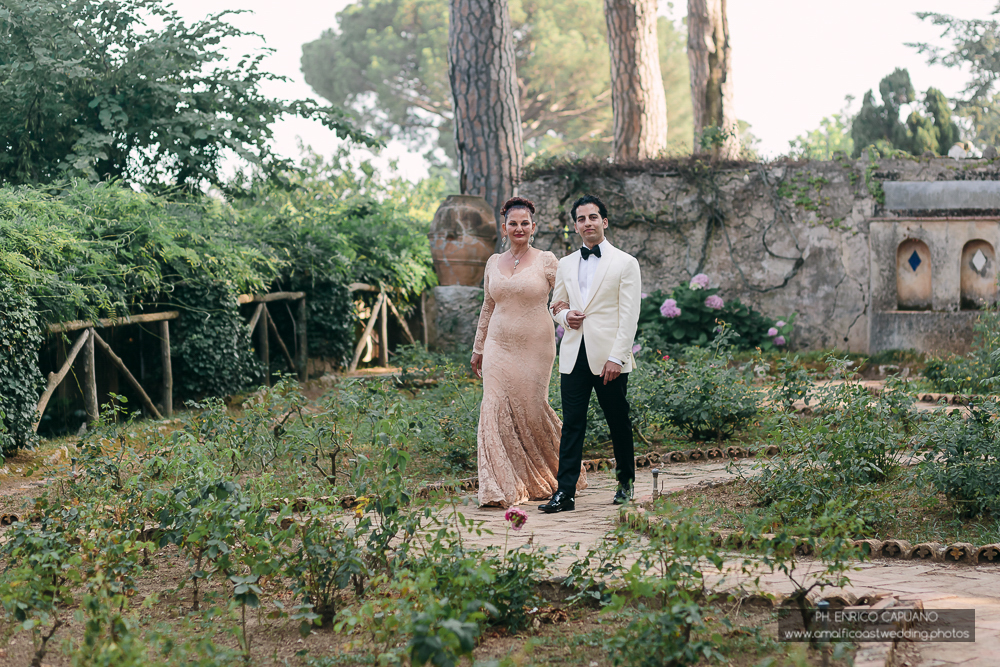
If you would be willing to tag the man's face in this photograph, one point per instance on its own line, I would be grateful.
(590, 225)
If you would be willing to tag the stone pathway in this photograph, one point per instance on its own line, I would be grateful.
(937, 585)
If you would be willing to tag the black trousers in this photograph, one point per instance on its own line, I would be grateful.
(576, 388)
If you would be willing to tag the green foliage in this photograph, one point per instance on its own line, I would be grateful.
(879, 125)
(833, 136)
(93, 90)
(698, 323)
(388, 61)
(707, 396)
(445, 417)
(20, 379)
(842, 455)
(962, 459)
(201, 521)
(661, 639)
(976, 372)
(975, 48)
(213, 353)
(329, 557)
(44, 565)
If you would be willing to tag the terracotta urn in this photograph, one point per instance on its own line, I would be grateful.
(463, 236)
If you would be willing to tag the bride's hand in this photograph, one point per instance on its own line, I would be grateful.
(559, 306)
(477, 364)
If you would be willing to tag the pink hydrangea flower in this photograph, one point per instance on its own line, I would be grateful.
(642, 295)
(700, 281)
(779, 323)
(670, 309)
(779, 341)
(714, 302)
(560, 332)
(772, 332)
(516, 517)
(636, 349)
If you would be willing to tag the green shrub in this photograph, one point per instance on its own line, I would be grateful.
(706, 396)
(962, 459)
(978, 371)
(846, 453)
(661, 639)
(330, 557)
(20, 380)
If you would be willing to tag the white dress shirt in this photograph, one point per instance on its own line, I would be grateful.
(588, 269)
(585, 277)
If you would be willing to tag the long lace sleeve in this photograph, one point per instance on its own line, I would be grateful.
(487, 310)
(551, 264)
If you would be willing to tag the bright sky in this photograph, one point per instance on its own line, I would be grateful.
(794, 60)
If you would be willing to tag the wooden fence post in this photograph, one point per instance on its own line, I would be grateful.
(262, 343)
(302, 348)
(168, 373)
(90, 379)
(383, 335)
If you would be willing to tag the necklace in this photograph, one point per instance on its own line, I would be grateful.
(517, 260)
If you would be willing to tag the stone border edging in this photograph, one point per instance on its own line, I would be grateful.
(958, 553)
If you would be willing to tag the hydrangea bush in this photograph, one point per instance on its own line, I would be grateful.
(690, 315)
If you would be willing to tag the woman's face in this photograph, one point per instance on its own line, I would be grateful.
(519, 226)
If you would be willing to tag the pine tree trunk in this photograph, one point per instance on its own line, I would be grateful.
(485, 99)
(711, 61)
(637, 97)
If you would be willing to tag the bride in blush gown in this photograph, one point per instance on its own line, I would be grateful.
(518, 438)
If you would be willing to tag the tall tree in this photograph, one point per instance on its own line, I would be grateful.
(483, 79)
(387, 62)
(710, 57)
(975, 46)
(89, 89)
(879, 125)
(637, 98)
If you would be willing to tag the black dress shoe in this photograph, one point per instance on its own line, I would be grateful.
(622, 495)
(560, 502)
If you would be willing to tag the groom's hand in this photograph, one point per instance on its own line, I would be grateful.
(610, 371)
(574, 319)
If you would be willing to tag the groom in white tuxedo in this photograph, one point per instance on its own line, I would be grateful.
(602, 286)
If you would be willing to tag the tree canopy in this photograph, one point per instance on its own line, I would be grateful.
(975, 44)
(832, 136)
(880, 124)
(387, 62)
(125, 89)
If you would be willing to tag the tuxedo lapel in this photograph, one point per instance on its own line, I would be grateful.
(602, 270)
(574, 277)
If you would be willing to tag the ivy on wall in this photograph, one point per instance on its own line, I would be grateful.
(20, 379)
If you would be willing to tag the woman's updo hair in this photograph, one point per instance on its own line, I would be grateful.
(518, 202)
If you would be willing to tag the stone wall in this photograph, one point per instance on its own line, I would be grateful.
(783, 237)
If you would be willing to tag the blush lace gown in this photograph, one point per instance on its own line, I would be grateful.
(518, 430)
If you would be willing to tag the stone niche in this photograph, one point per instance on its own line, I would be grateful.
(978, 275)
(914, 284)
(930, 274)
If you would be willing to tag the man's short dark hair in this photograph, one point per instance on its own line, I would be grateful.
(589, 199)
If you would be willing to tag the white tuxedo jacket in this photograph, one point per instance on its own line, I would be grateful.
(612, 310)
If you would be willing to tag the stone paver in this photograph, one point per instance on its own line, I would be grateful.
(937, 585)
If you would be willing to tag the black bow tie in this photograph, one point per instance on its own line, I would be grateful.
(586, 252)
